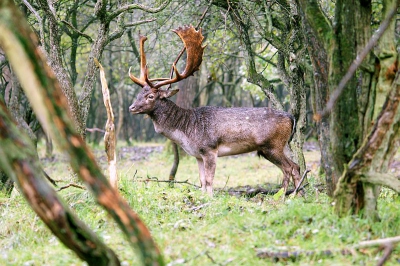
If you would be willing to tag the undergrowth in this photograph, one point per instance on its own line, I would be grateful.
(191, 228)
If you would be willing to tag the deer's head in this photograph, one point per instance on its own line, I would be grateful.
(151, 92)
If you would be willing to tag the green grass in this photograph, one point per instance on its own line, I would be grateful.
(193, 229)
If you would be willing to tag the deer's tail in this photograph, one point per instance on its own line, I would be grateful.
(293, 128)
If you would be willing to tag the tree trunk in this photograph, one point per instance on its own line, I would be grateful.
(319, 98)
(367, 164)
(350, 136)
(296, 84)
(359, 184)
(96, 51)
(331, 51)
(55, 62)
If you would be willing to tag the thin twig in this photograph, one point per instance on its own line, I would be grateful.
(71, 185)
(167, 181)
(91, 130)
(386, 254)
(211, 258)
(387, 243)
(196, 208)
(51, 180)
(301, 181)
(226, 183)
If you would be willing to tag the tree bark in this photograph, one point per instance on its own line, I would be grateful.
(359, 172)
(358, 104)
(318, 34)
(296, 84)
(55, 62)
(332, 49)
(359, 184)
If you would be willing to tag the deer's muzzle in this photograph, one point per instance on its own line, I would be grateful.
(132, 109)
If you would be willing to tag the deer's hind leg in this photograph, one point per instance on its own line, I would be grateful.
(209, 163)
(202, 175)
(288, 167)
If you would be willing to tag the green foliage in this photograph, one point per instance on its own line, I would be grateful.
(193, 229)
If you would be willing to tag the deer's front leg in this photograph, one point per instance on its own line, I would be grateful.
(202, 176)
(209, 162)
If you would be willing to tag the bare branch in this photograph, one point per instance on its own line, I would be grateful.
(301, 181)
(77, 31)
(71, 185)
(91, 130)
(383, 179)
(39, 19)
(386, 255)
(386, 242)
(137, 6)
(166, 181)
(378, 242)
(140, 22)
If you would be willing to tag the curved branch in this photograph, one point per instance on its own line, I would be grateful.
(382, 179)
(253, 76)
(77, 31)
(124, 8)
(140, 22)
(39, 19)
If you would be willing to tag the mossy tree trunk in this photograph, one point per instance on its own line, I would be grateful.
(332, 49)
(359, 184)
(342, 135)
(320, 91)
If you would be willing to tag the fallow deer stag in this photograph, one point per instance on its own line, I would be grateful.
(210, 132)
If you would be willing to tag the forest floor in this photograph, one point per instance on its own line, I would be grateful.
(193, 229)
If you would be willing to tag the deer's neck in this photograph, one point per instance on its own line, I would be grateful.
(168, 118)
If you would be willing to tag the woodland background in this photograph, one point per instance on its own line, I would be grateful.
(289, 55)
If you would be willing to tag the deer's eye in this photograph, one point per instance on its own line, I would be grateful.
(151, 97)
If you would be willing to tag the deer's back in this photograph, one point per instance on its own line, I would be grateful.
(240, 130)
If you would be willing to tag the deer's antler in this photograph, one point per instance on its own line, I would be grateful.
(143, 80)
(192, 39)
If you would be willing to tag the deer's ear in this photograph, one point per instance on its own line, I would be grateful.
(167, 93)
